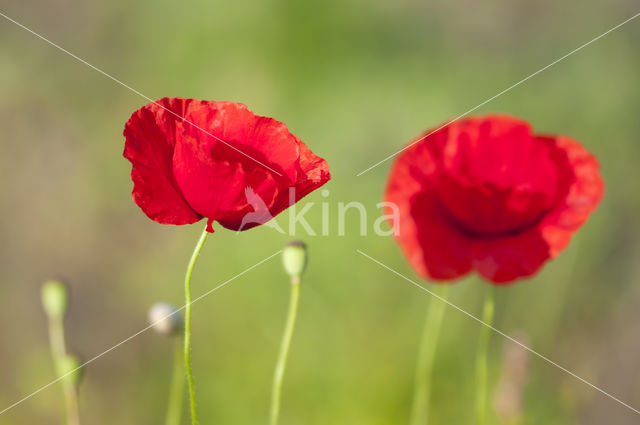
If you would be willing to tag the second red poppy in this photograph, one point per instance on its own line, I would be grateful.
(487, 194)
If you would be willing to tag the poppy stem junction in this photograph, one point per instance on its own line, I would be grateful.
(482, 357)
(187, 325)
(426, 356)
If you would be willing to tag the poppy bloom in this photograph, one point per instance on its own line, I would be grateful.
(486, 194)
(221, 162)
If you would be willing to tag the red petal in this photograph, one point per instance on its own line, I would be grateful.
(250, 172)
(505, 259)
(494, 177)
(222, 190)
(312, 172)
(583, 193)
(150, 139)
(432, 243)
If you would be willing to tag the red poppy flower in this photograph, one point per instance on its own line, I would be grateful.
(221, 162)
(486, 194)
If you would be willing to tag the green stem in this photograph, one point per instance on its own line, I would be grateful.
(71, 402)
(482, 358)
(425, 361)
(58, 353)
(56, 338)
(187, 326)
(176, 396)
(284, 351)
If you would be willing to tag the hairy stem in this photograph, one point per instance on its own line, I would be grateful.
(187, 326)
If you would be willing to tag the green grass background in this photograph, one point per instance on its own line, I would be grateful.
(354, 79)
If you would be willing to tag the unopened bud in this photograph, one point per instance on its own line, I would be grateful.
(165, 319)
(71, 369)
(294, 258)
(55, 298)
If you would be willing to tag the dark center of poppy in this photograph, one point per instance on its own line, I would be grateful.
(484, 209)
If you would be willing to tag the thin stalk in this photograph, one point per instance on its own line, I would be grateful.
(426, 355)
(176, 392)
(56, 338)
(284, 351)
(71, 403)
(58, 353)
(482, 358)
(187, 326)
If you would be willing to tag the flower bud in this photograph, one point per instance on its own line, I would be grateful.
(294, 258)
(72, 366)
(55, 298)
(165, 319)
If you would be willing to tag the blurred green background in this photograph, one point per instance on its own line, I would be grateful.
(354, 79)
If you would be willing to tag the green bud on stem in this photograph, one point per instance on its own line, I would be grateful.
(294, 259)
(55, 298)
